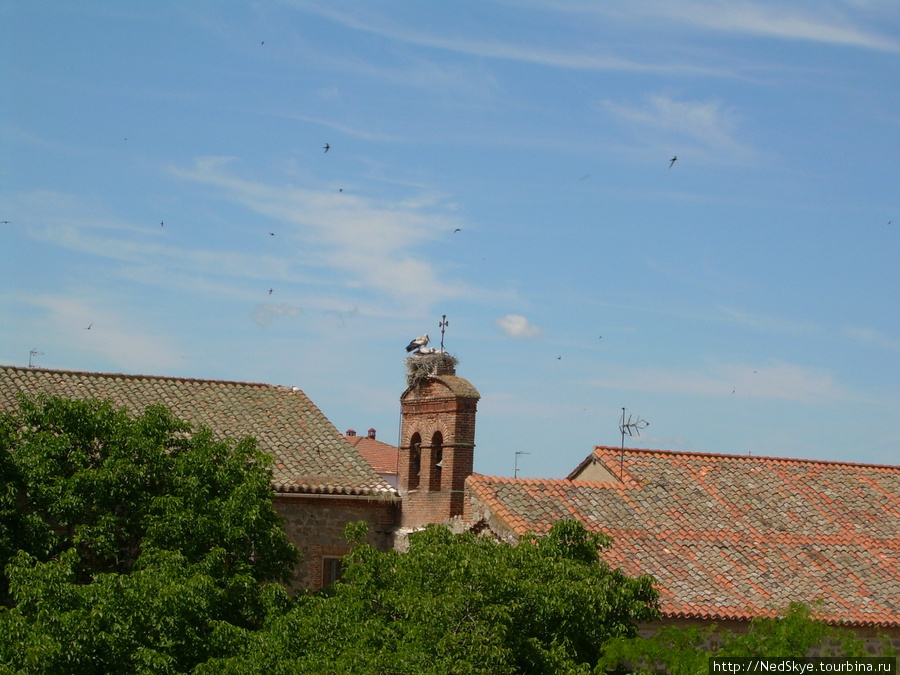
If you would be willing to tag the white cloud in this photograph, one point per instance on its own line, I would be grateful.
(365, 243)
(821, 23)
(872, 337)
(768, 324)
(517, 326)
(111, 336)
(775, 381)
(265, 313)
(837, 23)
(563, 57)
(708, 128)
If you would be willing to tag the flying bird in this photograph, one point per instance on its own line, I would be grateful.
(327, 147)
(160, 223)
(418, 343)
(270, 291)
(89, 327)
(673, 160)
(456, 230)
(6, 222)
(271, 234)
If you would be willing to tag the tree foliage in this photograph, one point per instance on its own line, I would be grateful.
(456, 604)
(127, 541)
(137, 544)
(686, 651)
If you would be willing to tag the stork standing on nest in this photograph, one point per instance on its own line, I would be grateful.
(417, 344)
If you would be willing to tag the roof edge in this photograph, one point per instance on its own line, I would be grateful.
(749, 458)
(137, 376)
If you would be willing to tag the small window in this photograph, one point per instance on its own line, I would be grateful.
(415, 461)
(332, 570)
(437, 459)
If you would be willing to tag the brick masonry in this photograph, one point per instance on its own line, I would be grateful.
(315, 525)
(437, 448)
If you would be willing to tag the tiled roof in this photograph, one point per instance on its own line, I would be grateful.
(310, 455)
(382, 456)
(728, 536)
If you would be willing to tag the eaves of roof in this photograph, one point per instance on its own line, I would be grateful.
(731, 537)
(309, 454)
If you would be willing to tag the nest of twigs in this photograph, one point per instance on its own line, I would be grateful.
(420, 367)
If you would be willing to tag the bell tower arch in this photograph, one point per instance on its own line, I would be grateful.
(437, 440)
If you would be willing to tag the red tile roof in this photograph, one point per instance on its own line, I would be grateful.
(383, 457)
(310, 456)
(728, 536)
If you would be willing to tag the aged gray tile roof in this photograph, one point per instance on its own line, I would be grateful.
(310, 456)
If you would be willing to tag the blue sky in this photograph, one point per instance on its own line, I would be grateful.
(743, 300)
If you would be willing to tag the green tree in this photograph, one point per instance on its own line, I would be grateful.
(455, 604)
(129, 542)
(686, 651)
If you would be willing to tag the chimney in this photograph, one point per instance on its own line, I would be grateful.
(350, 432)
(372, 434)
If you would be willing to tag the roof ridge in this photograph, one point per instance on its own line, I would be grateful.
(138, 376)
(750, 458)
(307, 450)
(539, 481)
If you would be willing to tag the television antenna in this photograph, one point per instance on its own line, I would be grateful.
(632, 426)
(31, 355)
(516, 471)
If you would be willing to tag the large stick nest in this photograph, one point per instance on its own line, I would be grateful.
(420, 367)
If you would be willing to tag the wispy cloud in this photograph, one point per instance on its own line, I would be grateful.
(263, 314)
(825, 22)
(339, 244)
(768, 324)
(707, 126)
(775, 381)
(111, 336)
(368, 243)
(842, 23)
(517, 326)
(492, 48)
(871, 337)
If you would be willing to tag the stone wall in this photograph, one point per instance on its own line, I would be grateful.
(315, 525)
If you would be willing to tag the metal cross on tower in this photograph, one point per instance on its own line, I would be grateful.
(442, 325)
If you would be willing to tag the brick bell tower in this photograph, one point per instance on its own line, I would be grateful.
(437, 439)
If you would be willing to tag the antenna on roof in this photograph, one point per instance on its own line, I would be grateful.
(632, 427)
(31, 355)
(518, 452)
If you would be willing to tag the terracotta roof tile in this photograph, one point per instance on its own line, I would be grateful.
(310, 456)
(383, 457)
(732, 536)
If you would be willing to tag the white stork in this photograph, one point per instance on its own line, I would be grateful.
(418, 343)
